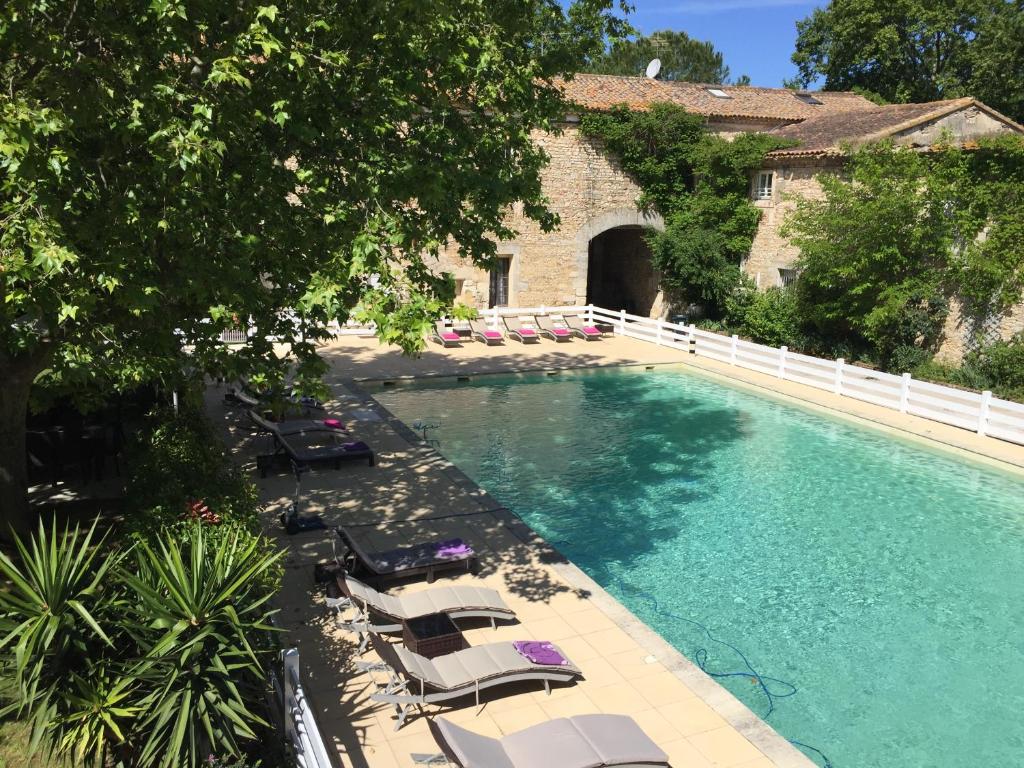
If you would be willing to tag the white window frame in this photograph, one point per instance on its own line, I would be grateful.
(764, 191)
(718, 93)
(787, 276)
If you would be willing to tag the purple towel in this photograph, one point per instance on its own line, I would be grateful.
(540, 652)
(360, 446)
(453, 548)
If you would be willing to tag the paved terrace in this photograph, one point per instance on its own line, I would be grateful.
(413, 493)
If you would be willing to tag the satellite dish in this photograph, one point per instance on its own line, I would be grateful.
(654, 68)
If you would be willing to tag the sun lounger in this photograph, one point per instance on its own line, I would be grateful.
(377, 612)
(582, 741)
(519, 332)
(415, 680)
(247, 396)
(295, 426)
(581, 328)
(424, 558)
(548, 327)
(445, 336)
(299, 449)
(482, 332)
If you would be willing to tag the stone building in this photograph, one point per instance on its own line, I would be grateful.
(598, 255)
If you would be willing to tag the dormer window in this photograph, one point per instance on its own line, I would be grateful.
(718, 93)
(808, 98)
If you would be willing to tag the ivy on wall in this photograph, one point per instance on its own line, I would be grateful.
(700, 183)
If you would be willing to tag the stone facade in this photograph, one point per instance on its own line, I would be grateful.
(591, 194)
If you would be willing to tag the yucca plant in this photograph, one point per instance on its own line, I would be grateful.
(63, 669)
(202, 621)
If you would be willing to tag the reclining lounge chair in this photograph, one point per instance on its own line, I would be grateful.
(583, 741)
(299, 449)
(295, 426)
(247, 395)
(482, 332)
(519, 332)
(377, 612)
(424, 558)
(581, 328)
(445, 336)
(415, 680)
(554, 331)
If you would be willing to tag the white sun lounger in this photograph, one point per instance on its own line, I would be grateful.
(582, 741)
(581, 328)
(482, 332)
(414, 680)
(518, 331)
(446, 336)
(549, 328)
(459, 602)
(292, 426)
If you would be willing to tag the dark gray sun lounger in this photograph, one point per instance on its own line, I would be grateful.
(427, 558)
(291, 426)
(289, 447)
(415, 680)
(376, 612)
(582, 741)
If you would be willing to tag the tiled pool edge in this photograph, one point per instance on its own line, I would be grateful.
(759, 733)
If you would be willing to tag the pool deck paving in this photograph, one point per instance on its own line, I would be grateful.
(414, 494)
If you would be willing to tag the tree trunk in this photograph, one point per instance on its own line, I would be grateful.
(16, 377)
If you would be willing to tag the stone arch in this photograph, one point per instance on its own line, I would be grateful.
(611, 219)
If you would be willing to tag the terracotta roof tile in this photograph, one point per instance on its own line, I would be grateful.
(744, 102)
(825, 134)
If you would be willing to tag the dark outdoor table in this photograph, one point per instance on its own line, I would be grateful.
(432, 636)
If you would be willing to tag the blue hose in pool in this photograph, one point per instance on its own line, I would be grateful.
(771, 687)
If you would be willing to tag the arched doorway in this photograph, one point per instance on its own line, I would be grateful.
(620, 274)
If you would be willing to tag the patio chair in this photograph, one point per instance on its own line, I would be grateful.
(581, 328)
(549, 328)
(482, 332)
(288, 447)
(520, 332)
(458, 602)
(581, 741)
(445, 336)
(427, 558)
(295, 426)
(414, 680)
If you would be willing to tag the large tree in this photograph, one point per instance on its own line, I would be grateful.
(917, 50)
(172, 169)
(682, 58)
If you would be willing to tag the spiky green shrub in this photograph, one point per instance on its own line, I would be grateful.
(150, 655)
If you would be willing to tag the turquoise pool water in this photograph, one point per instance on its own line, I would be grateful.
(884, 581)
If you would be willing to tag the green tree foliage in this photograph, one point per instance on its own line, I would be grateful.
(901, 232)
(700, 184)
(175, 170)
(918, 50)
(768, 317)
(682, 58)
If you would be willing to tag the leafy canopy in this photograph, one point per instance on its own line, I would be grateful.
(171, 172)
(902, 231)
(700, 184)
(918, 50)
(682, 58)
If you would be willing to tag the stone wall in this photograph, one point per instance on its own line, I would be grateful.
(591, 194)
(795, 178)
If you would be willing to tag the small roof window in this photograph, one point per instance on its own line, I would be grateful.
(718, 93)
(808, 98)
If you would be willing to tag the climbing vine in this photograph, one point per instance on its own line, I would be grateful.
(699, 182)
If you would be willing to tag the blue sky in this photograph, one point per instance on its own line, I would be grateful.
(756, 37)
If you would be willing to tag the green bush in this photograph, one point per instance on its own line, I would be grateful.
(1002, 366)
(178, 460)
(768, 317)
(151, 655)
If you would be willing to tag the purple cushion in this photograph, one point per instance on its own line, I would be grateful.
(540, 652)
(453, 548)
(450, 336)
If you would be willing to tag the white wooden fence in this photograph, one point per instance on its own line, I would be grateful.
(299, 724)
(979, 412)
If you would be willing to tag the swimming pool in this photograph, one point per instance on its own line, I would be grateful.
(883, 580)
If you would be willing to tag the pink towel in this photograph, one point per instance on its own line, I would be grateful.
(492, 334)
(450, 336)
(560, 331)
(590, 329)
(333, 424)
(526, 331)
